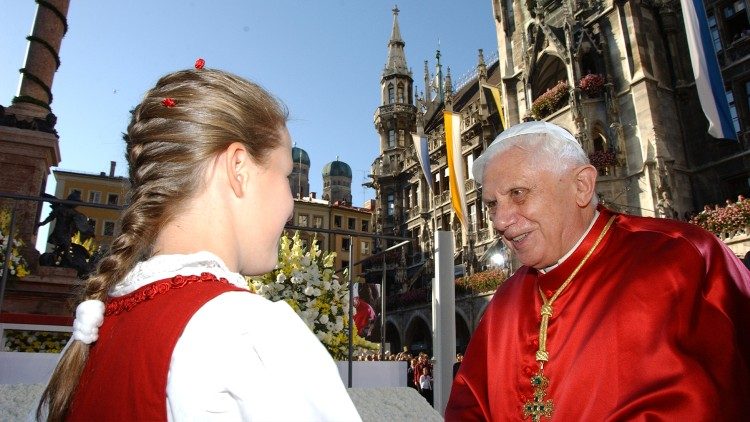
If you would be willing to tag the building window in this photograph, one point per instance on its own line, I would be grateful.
(112, 199)
(109, 228)
(473, 218)
(391, 138)
(345, 244)
(352, 224)
(92, 223)
(736, 23)
(364, 247)
(344, 264)
(391, 205)
(365, 226)
(317, 221)
(95, 197)
(74, 191)
(400, 93)
(337, 221)
(733, 110)
(302, 220)
(391, 97)
(714, 29)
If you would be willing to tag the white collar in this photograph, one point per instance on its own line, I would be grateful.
(160, 267)
(570, 252)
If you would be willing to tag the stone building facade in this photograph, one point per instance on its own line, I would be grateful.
(410, 205)
(623, 81)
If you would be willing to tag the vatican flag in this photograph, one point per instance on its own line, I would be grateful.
(496, 104)
(452, 123)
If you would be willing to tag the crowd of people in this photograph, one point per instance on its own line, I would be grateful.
(418, 369)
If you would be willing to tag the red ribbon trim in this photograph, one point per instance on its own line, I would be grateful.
(125, 303)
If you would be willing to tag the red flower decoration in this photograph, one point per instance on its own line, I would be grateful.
(168, 102)
(200, 63)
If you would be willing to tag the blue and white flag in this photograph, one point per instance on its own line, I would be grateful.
(706, 69)
(423, 155)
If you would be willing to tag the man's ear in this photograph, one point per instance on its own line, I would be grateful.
(585, 184)
(237, 164)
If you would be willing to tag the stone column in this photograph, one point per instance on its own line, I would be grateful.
(28, 140)
(42, 59)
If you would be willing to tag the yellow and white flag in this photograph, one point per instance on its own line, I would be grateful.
(494, 102)
(457, 179)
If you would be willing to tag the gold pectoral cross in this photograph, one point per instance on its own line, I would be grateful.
(538, 407)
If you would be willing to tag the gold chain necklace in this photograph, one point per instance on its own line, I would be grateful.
(538, 407)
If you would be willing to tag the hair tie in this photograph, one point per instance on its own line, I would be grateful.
(200, 63)
(168, 102)
(89, 317)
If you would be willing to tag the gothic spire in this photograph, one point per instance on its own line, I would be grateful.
(427, 88)
(438, 83)
(396, 62)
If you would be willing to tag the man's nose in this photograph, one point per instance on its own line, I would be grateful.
(502, 217)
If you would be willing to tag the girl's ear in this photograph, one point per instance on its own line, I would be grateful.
(237, 164)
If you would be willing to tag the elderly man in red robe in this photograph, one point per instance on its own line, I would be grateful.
(611, 316)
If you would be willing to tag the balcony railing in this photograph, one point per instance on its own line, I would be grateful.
(444, 197)
(483, 235)
(737, 50)
(397, 108)
(414, 212)
(470, 185)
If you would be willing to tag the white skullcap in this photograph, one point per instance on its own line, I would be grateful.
(521, 129)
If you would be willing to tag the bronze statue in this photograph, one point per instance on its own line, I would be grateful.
(68, 222)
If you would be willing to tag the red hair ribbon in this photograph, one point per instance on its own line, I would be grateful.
(168, 102)
(200, 63)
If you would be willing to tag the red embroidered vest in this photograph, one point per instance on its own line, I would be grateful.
(125, 377)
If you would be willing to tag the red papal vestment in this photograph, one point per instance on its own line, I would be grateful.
(655, 326)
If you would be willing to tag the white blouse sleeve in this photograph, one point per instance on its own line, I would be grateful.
(242, 357)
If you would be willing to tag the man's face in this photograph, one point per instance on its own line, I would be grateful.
(532, 205)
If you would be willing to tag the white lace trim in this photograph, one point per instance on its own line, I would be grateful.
(160, 267)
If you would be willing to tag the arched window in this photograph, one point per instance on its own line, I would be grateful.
(600, 142)
(549, 71)
(390, 204)
(400, 93)
(391, 98)
(602, 157)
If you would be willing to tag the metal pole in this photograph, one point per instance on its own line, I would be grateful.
(351, 315)
(8, 253)
(382, 313)
(443, 320)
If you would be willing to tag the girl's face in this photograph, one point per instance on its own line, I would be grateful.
(269, 207)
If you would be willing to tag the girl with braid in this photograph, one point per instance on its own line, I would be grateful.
(167, 329)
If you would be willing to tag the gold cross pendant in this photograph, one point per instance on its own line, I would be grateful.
(538, 407)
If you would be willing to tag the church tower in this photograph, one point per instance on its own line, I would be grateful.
(337, 182)
(299, 179)
(395, 121)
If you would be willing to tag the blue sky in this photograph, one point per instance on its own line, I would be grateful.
(322, 58)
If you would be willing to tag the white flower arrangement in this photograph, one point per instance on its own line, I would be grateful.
(306, 280)
(18, 265)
